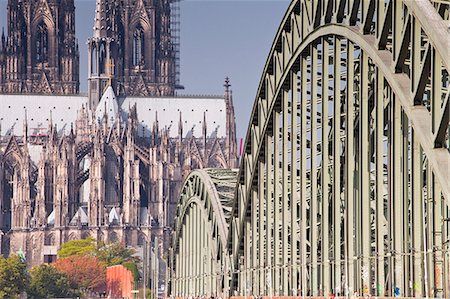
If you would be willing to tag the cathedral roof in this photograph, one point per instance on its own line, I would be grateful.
(80, 216)
(114, 216)
(108, 105)
(40, 110)
(193, 111)
(62, 112)
(51, 218)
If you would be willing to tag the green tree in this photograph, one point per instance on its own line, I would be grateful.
(47, 282)
(86, 246)
(116, 254)
(13, 276)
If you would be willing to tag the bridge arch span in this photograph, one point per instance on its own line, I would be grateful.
(343, 185)
(346, 163)
(199, 257)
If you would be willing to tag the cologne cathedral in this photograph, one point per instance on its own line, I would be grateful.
(108, 164)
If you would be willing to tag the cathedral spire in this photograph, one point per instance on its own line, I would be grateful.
(231, 142)
(101, 24)
(25, 128)
(205, 138)
(180, 127)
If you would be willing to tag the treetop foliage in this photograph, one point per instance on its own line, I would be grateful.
(86, 246)
(13, 276)
(116, 254)
(47, 282)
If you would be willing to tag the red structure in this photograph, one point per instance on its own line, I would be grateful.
(119, 282)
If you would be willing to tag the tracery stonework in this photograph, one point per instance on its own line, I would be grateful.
(40, 54)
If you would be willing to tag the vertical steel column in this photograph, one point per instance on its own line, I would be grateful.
(439, 207)
(379, 148)
(247, 249)
(418, 217)
(396, 192)
(276, 200)
(180, 267)
(185, 263)
(193, 240)
(186, 256)
(407, 254)
(428, 231)
(262, 229)
(184, 273)
(255, 238)
(336, 200)
(436, 112)
(349, 188)
(314, 196)
(216, 271)
(286, 198)
(203, 249)
(200, 273)
(269, 209)
(196, 247)
(202, 226)
(295, 192)
(191, 250)
(207, 257)
(445, 245)
(303, 176)
(204, 255)
(364, 167)
(325, 219)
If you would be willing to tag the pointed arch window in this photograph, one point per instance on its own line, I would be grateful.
(94, 62)
(42, 43)
(138, 46)
(102, 58)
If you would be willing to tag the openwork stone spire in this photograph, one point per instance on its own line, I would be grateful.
(102, 24)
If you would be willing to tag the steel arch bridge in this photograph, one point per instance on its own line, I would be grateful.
(199, 259)
(344, 184)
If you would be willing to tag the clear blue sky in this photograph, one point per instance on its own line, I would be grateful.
(219, 38)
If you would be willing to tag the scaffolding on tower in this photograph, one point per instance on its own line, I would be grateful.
(175, 35)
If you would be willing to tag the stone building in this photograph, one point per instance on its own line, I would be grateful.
(110, 164)
(40, 53)
(131, 46)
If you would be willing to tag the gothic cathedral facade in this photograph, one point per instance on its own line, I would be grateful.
(110, 164)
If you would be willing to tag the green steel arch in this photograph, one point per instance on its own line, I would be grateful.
(199, 260)
(344, 183)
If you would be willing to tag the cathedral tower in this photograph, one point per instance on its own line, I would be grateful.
(40, 52)
(102, 51)
(132, 49)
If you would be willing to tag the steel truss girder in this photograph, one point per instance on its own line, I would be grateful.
(389, 39)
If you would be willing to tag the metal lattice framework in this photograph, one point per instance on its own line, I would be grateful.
(199, 257)
(344, 185)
